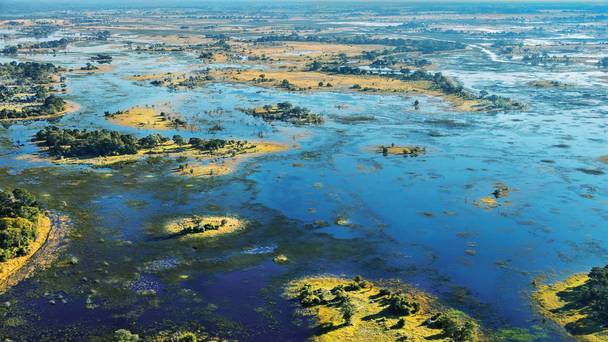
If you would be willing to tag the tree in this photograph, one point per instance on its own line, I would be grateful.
(124, 335)
(179, 140)
(348, 310)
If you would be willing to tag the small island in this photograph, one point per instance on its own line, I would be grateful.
(147, 117)
(401, 150)
(103, 147)
(202, 227)
(286, 112)
(501, 191)
(578, 304)
(358, 309)
(176, 80)
(24, 228)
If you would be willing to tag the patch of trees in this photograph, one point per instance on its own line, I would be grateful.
(28, 72)
(198, 225)
(102, 59)
(51, 44)
(41, 31)
(455, 325)
(51, 105)
(594, 294)
(18, 212)
(77, 143)
(425, 46)
(544, 58)
(286, 112)
(95, 143)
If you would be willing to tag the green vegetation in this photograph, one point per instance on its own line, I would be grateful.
(23, 90)
(18, 213)
(102, 59)
(124, 335)
(455, 325)
(28, 72)
(97, 143)
(345, 309)
(424, 46)
(593, 294)
(286, 112)
(75, 143)
(198, 225)
(51, 105)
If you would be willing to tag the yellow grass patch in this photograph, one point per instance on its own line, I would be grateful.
(228, 164)
(206, 170)
(370, 322)
(556, 308)
(143, 117)
(227, 225)
(487, 202)
(401, 150)
(100, 69)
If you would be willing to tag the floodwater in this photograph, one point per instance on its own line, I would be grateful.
(410, 218)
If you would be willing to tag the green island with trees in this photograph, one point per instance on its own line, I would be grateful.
(24, 229)
(19, 212)
(104, 147)
(579, 304)
(286, 112)
(347, 309)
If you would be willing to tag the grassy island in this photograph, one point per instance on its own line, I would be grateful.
(357, 309)
(147, 117)
(202, 227)
(579, 304)
(176, 80)
(401, 150)
(286, 112)
(24, 228)
(104, 147)
(492, 201)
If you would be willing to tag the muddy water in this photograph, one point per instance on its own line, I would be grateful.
(409, 218)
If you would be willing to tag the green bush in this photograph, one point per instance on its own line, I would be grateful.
(124, 335)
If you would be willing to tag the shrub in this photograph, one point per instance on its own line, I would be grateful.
(124, 335)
